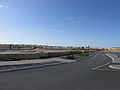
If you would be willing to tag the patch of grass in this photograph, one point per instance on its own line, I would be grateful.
(70, 57)
(76, 56)
(9, 59)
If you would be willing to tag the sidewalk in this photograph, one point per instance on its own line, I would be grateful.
(9, 66)
(115, 61)
(35, 61)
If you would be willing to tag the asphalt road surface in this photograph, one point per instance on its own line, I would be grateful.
(74, 76)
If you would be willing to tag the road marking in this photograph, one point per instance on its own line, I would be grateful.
(114, 67)
(104, 64)
(100, 66)
(106, 70)
(95, 56)
(103, 69)
(113, 60)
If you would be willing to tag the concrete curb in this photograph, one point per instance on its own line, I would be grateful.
(113, 60)
(110, 57)
(42, 66)
(114, 67)
(32, 67)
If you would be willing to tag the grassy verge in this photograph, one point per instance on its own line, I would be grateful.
(24, 65)
(75, 56)
(9, 59)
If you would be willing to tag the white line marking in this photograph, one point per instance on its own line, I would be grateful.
(100, 66)
(113, 60)
(95, 56)
(104, 64)
(114, 67)
(103, 69)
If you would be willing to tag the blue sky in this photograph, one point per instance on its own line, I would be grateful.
(60, 22)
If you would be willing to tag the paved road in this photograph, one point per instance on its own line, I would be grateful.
(117, 53)
(74, 76)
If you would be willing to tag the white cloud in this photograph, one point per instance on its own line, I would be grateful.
(1, 6)
(73, 19)
(85, 20)
(78, 20)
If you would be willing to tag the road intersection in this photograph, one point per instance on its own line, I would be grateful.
(74, 76)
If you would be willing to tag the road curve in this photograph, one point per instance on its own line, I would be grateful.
(75, 76)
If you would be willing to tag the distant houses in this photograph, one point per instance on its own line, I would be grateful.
(39, 47)
(31, 47)
(15, 47)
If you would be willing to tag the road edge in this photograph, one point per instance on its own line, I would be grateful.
(32, 67)
(45, 65)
